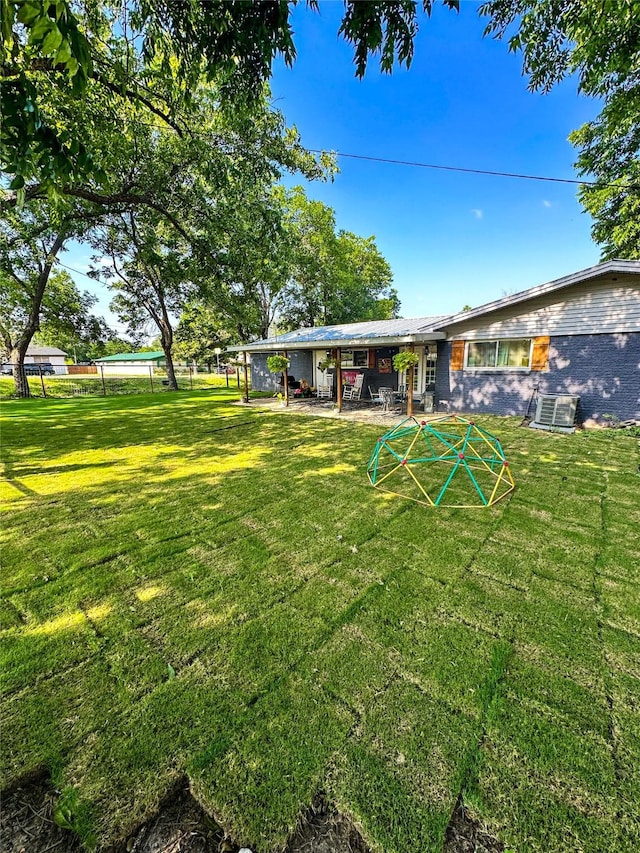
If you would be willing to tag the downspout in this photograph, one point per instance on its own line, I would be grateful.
(339, 378)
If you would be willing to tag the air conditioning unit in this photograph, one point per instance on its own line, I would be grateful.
(556, 411)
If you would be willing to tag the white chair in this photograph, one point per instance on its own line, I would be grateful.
(353, 392)
(325, 388)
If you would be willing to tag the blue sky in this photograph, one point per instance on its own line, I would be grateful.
(451, 238)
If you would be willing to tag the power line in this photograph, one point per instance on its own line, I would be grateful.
(473, 171)
(420, 165)
(79, 272)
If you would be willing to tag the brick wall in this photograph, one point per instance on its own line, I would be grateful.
(603, 370)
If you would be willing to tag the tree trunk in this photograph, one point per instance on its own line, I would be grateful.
(166, 339)
(19, 376)
(18, 351)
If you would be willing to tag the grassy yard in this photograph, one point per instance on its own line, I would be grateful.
(194, 588)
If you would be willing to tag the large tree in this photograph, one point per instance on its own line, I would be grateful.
(333, 276)
(149, 274)
(63, 317)
(31, 240)
(91, 47)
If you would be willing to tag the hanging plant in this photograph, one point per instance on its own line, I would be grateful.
(277, 363)
(327, 363)
(405, 360)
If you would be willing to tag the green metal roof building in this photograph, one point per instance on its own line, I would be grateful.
(128, 357)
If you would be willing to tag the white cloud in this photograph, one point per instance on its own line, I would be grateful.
(477, 212)
(546, 203)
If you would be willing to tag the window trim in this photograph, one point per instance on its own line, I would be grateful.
(351, 363)
(498, 368)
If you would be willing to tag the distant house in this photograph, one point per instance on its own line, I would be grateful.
(46, 355)
(578, 335)
(131, 363)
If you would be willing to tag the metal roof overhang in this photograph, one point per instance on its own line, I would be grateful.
(341, 343)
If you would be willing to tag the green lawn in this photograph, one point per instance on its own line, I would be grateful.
(195, 588)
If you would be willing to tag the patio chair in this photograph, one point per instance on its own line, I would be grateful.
(353, 392)
(375, 395)
(388, 398)
(325, 389)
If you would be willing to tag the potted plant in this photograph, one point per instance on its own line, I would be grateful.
(327, 363)
(404, 361)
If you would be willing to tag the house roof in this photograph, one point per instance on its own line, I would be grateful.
(424, 329)
(618, 267)
(362, 334)
(44, 350)
(133, 356)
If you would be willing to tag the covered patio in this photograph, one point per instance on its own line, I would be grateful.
(351, 366)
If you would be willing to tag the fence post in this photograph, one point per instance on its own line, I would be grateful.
(44, 390)
(151, 377)
(104, 387)
(226, 373)
(191, 377)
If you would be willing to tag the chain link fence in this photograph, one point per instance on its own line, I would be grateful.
(95, 381)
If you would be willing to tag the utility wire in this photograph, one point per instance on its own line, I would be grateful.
(474, 171)
(443, 168)
(79, 272)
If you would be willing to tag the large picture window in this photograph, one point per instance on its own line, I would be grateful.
(514, 353)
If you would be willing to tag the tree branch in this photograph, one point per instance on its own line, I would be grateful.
(104, 199)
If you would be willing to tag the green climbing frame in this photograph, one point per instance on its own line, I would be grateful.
(448, 462)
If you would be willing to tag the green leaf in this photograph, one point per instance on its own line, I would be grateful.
(172, 672)
(64, 54)
(29, 13)
(17, 183)
(40, 29)
(52, 41)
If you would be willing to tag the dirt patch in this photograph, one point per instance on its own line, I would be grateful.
(466, 835)
(324, 830)
(26, 821)
(181, 826)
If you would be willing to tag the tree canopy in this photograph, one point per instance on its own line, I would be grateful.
(334, 276)
(156, 54)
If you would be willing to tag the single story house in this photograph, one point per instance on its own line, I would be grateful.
(578, 335)
(43, 355)
(46, 355)
(131, 363)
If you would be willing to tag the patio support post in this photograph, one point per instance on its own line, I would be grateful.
(339, 378)
(410, 388)
(286, 382)
(245, 395)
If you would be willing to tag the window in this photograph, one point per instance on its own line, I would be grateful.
(512, 354)
(430, 364)
(354, 358)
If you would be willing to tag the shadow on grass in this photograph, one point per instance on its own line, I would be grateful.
(219, 593)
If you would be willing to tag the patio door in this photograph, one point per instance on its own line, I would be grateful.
(425, 373)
